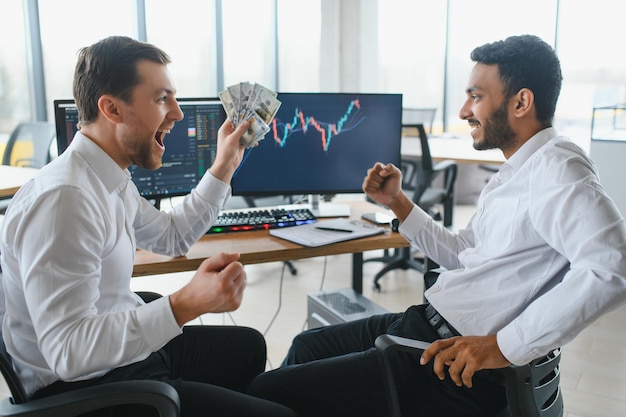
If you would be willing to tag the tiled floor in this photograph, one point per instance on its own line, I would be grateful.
(593, 365)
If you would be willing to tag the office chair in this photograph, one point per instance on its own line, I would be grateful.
(161, 396)
(412, 116)
(29, 145)
(532, 390)
(418, 178)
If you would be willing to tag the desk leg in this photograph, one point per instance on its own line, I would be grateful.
(357, 272)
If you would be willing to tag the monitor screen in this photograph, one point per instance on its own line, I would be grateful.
(322, 143)
(190, 147)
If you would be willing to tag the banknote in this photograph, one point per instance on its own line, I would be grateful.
(252, 102)
(256, 132)
(265, 104)
(229, 105)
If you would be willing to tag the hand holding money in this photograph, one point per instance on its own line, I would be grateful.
(252, 102)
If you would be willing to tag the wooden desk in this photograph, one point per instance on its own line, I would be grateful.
(259, 247)
(12, 178)
(458, 149)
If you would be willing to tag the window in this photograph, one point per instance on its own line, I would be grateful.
(67, 26)
(481, 21)
(594, 70)
(15, 100)
(411, 51)
(248, 41)
(186, 31)
(299, 34)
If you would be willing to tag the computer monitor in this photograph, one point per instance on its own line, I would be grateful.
(190, 147)
(322, 143)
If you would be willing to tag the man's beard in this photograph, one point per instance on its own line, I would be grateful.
(141, 154)
(497, 132)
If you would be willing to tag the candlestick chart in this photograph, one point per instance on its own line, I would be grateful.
(322, 143)
(312, 127)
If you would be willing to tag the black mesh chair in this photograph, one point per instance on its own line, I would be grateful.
(159, 395)
(532, 390)
(419, 181)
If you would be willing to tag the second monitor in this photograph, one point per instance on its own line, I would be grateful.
(322, 143)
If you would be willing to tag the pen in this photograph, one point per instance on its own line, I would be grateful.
(333, 229)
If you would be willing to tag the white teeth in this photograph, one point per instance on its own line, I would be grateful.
(165, 131)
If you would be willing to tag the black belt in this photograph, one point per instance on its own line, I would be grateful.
(441, 326)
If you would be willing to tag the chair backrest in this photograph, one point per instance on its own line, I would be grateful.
(412, 116)
(534, 390)
(425, 172)
(12, 380)
(29, 145)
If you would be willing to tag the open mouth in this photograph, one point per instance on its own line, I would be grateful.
(160, 135)
(474, 126)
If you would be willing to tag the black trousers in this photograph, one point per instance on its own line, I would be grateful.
(209, 366)
(338, 365)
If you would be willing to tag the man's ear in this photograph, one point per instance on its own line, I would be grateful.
(109, 108)
(524, 101)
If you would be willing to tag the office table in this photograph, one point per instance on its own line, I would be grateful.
(12, 178)
(259, 247)
(459, 149)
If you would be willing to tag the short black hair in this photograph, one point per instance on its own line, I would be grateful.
(526, 61)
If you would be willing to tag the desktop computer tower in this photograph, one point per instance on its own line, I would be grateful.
(339, 306)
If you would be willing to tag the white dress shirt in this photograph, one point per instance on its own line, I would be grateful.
(542, 258)
(68, 245)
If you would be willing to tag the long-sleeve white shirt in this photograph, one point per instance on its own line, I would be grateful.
(68, 244)
(543, 256)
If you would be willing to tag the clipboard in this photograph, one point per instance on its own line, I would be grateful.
(327, 232)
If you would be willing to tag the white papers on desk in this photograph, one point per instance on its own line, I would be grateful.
(310, 234)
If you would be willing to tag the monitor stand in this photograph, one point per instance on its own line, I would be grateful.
(324, 209)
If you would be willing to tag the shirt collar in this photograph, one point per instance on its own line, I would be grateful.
(515, 162)
(109, 172)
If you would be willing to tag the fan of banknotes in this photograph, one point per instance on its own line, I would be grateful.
(252, 102)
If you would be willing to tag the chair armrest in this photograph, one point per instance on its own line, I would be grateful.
(385, 345)
(387, 342)
(159, 395)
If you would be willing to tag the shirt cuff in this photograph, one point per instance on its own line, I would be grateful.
(213, 190)
(413, 222)
(157, 323)
(513, 347)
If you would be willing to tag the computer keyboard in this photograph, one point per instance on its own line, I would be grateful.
(238, 221)
(341, 303)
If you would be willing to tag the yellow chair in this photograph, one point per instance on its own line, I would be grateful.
(29, 145)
